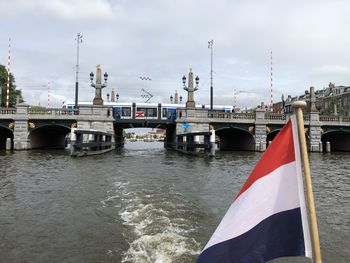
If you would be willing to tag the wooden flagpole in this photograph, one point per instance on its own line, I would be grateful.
(315, 240)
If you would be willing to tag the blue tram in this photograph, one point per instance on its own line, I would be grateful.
(122, 110)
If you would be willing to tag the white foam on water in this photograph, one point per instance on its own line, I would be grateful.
(114, 194)
(120, 184)
(155, 224)
(161, 247)
(108, 200)
(157, 232)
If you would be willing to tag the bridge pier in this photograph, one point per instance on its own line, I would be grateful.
(192, 122)
(170, 138)
(260, 130)
(96, 118)
(8, 144)
(20, 132)
(20, 135)
(315, 132)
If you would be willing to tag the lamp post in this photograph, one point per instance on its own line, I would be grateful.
(171, 99)
(117, 97)
(190, 104)
(98, 85)
(210, 45)
(79, 40)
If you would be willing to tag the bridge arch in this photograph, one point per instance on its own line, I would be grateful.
(48, 136)
(271, 135)
(235, 139)
(339, 140)
(4, 134)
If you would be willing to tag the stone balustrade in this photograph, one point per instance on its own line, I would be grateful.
(5, 111)
(275, 116)
(52, 111)
(330, 118)
(231, 115)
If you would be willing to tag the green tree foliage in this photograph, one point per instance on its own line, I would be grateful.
(330, 109)
(13, 91)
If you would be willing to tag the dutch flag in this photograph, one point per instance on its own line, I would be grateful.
(268, 218)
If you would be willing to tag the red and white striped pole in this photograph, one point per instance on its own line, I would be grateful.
(271, 94)
(48, 94)
(234, 99)
(8, 76)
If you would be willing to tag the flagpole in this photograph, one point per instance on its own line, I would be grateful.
(315, 240)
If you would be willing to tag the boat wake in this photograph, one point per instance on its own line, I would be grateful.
(155, 224)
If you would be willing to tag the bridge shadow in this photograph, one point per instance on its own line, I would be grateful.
(270, 136)
(48, 136)
(235, 139)
(4, 134)
(339, 140)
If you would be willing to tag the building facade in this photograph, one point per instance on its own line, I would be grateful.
(332, 100)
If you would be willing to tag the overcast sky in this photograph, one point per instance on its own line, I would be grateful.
(163, 39)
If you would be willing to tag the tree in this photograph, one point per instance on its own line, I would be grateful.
(329, 110)
(13, 91)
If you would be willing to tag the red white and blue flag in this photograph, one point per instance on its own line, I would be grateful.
(268, 218)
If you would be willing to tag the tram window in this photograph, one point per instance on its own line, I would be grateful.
(149, 112)
(126, 111)
(165, 112)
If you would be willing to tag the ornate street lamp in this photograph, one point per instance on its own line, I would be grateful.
(190, 89)
(171, 98)
(117, 96)
(91, 76)
(98, 85)
(184, 80)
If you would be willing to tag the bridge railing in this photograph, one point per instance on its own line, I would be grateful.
(52, 111)
(329, 118)
(275, 116)
(231, 115)
(5, 111)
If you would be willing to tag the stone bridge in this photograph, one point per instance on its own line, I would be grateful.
(29, 128)
(25, 128)
(254, 131)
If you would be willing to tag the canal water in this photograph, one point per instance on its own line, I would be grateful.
(142, 204)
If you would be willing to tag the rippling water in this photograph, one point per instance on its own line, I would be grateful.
(142, 204)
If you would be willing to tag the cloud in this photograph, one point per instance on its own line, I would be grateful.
(163, 39)
(55, 100)
(333, 69)
(80, 9)
(71, 10)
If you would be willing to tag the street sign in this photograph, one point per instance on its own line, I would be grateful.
(185, 125)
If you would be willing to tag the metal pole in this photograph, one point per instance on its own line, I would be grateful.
(79, 40)
(210, 45)
(48, 95)
(315, 240)
(8, 76)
